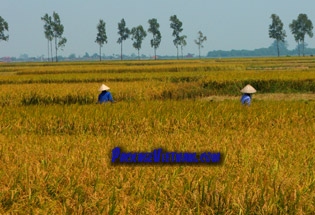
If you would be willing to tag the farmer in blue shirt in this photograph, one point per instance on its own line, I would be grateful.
(246, 99)
(105, 95)
(247, 91)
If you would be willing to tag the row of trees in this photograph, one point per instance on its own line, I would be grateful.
(53, 30)
(138, 34)
(299, 27)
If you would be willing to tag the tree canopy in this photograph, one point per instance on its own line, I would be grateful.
(101, 36)
(154, 29)
(3, 27)
(182, 42)
(49, 34)
(138, 34)
(176, 25)
(200, 41)
(300, 27)
(54, 29)
(276, 31)
(123, 32)
(58, 30)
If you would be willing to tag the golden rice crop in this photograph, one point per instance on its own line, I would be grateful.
(55, 158)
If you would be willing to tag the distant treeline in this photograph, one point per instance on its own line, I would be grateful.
(270, 51)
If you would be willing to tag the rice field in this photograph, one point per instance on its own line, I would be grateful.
(56, 143)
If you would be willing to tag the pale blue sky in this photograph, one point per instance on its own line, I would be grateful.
(234, 24)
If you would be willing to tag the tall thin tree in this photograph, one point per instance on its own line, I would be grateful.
(138, 34)
(58, 29)
(101, 36)
(123, 32)
(183, 43)
(176, 25)
(199, 41)
(48, 32)
(295, 31)
(300, 27)
(276, 31)
(154, 29)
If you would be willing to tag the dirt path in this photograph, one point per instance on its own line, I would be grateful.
(268, 96)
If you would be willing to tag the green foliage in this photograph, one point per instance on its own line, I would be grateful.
(48, 27)
(3, 27)
(154, 29)
(58, 29)
(101, 36)
(176, 25)
(276, 30)
(182, 43)
(124, 33)
(49, 34)
(138, 34)
(300, 27)
(54, 30)
(200, 41)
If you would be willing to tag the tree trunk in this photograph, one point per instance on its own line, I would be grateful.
(48, 50)
(138, 55)
(56, 48)
(182, 52)
(121, 51)
(100, 54)
(278, 48)
(299, 49)
(51, 51)
(154, 53)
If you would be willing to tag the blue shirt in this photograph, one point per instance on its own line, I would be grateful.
(246, 99)
(105, 96)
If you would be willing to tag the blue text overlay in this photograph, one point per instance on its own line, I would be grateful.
(159, 156)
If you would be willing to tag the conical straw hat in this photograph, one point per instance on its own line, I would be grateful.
(248, 89)
(103, 87)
